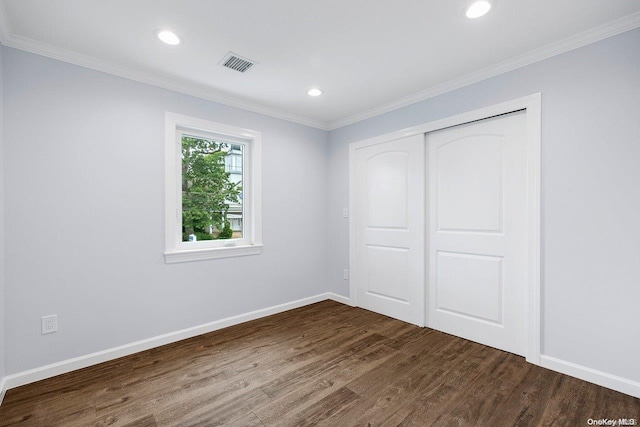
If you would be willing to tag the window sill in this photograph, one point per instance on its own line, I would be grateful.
(211, 253)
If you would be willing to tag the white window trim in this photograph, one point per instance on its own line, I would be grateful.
(251, 243)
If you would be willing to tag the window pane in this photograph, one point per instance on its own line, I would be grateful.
(211, 189)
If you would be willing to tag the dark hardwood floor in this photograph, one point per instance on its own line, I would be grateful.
(325, 364)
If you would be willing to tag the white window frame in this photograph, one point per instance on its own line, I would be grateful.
(251, 242)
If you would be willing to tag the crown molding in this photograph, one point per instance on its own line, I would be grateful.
(5, 28)
(8, 38)
(582, 39)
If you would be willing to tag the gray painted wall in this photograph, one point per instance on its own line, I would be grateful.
(591, 203)
(2, 168)
(85, 215)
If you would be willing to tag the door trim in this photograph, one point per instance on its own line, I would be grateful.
(532, 106)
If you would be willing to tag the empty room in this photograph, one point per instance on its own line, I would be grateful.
(332, 213)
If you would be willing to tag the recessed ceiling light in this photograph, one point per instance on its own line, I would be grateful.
(168, 37)
(314, 92)
(478, 9)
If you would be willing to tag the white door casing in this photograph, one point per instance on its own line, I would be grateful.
(478, 231)
(389, 228)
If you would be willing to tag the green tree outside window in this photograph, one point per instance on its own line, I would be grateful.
(206, 189)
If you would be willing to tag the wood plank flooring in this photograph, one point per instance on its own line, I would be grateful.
(326, 364)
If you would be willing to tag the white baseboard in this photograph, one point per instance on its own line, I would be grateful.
(623, 385)
(48, 371)
(339, 298)
(3, 389)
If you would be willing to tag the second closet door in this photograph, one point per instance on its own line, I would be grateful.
(477, 241)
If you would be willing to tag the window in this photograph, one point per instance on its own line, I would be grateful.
(212, 180)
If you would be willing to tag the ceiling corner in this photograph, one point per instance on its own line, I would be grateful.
(5, 29)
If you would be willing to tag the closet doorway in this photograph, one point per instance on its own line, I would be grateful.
(444, 228)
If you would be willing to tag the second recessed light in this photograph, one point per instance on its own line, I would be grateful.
(168, 37)
(478, 9)
(314, 92)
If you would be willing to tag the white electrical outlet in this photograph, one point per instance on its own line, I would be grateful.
(345, 212)
(49, 324)
(345, 274)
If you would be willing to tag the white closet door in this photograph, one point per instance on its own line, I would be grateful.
(389, 223)
(477, 231)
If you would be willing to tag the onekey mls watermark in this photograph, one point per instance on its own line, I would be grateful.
(612, 422)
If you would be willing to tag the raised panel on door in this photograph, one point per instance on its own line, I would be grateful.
(387, 272)
(477, 234)
(469, 184)
(387, 189)
(389, 228)
(469, 285)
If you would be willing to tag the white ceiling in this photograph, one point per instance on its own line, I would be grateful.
(368, 56)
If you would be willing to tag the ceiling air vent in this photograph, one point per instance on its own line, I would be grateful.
(237, 62)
